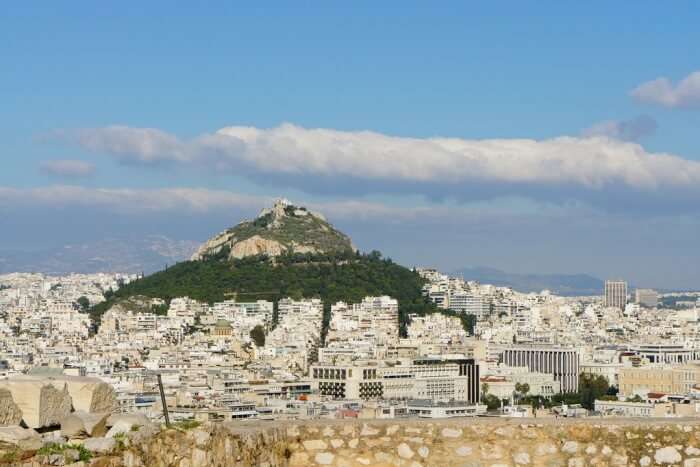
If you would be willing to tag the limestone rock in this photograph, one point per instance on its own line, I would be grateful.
(324, 458)
(137, 419)
(256, 245)
(121, 426)
(100, 445)
(405, 451)
(10, 413)
(71, 455)
(89, 394)
(18, 437)
(82, 424)
(668, 455)
(42, 403)
(282, 229)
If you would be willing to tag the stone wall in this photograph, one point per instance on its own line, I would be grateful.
(478, 442)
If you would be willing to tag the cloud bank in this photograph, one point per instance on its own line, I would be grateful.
(662, 91)
(634, 129)
(67, 168)
(128, 200)
(203, 201)
(288, 149)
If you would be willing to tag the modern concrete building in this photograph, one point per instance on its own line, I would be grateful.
(561, 362)
(647, 298)
(666, 353)
(615, 294)
(434, 379)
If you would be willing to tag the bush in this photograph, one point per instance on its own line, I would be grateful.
(84, 455)
(186, 424)
(257, 334)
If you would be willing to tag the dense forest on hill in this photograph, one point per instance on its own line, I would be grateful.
(333, 277)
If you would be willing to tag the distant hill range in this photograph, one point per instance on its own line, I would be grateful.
(560, 284)
(148, 255)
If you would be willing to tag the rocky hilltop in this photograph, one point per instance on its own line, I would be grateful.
(282, 229)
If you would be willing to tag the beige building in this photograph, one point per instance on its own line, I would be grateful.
(645, 409)
(615, 294)
(669, 380)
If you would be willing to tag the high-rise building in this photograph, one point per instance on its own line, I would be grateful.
(615, 294)
(647, 297)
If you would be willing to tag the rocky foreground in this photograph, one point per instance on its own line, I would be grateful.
(478, 442)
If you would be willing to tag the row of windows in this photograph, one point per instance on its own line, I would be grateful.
(331, 373)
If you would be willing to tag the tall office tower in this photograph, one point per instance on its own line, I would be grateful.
(615, 294)
(647, 297)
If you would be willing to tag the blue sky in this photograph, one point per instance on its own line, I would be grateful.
(408, 72)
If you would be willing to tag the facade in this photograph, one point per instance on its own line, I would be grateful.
(615, 294)
(470, 304)
(666, 353)
(609, 371)
(561, 362)
(667, 380)
(646, 297)
(645, 409)
(434, 379)
(429, 409)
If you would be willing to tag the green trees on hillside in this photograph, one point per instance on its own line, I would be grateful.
(83, 303)
(343, 276)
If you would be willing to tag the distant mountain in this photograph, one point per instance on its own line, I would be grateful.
(126, 255)
(561, 284)
(282, 229)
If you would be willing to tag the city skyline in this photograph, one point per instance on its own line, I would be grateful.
(530, 142)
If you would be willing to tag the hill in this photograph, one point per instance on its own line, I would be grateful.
(287, 251)
(283, 229)
(560, 284)
(345, 276)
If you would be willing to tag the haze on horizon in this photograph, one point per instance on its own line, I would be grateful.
(533, 137)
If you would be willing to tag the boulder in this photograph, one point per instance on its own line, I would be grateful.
(53, 437)
(137, 419)
(10, 413)
(89, 394)
(82, 424)
(100, 445)
(71, 455)
(121, 426)
(18, 437)
(42, 403)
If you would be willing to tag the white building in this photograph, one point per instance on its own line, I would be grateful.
(615, 294)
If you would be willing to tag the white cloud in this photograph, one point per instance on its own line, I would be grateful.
(67, 168)
(661, 91)
(202, 201)
(624, 130)
(365, 161)
(129, 200)
(147, 145)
